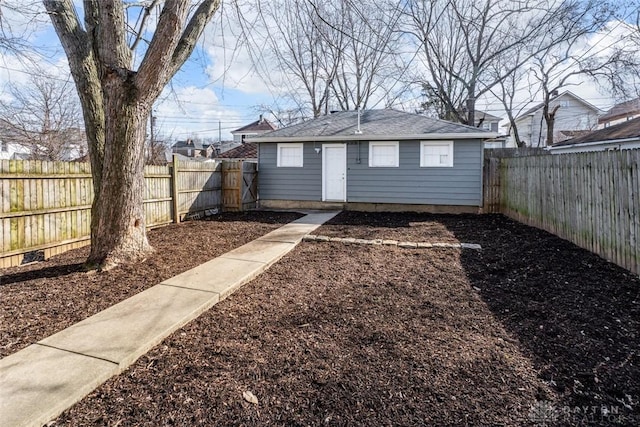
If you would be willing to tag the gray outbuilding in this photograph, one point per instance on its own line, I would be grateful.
(373, 160)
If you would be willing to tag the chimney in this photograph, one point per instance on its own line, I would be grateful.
(554, 93)
(260, 121)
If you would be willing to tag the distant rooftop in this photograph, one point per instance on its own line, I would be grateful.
(247, 150)
(261, 125)
(621, 110)
(486, 116)
(538, 106)
(625, 130)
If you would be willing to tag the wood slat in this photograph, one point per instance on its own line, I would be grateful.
(46, 205)
(591, 199)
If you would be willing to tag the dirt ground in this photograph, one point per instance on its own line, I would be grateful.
(530, 330)
(41, 299)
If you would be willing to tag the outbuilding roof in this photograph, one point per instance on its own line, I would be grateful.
(248, 150)
(374, 124)
(624, 130)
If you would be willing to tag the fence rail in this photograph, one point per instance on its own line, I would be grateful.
(591, 199)
(46, 206)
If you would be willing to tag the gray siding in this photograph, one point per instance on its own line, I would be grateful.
(407, 184)
(276, 183)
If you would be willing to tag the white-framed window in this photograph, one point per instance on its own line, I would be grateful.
(436, 154)
(4, 146)
(384, 154)
(290, 155)
(486, 125)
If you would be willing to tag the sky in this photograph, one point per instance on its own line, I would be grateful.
(218, 89)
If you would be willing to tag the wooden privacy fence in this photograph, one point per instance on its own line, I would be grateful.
(46, 206)
(591, 199)
(240, 185)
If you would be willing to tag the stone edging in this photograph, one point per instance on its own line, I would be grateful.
(406, 245)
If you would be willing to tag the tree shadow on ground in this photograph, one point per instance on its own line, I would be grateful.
(574, 314)
(43, 273)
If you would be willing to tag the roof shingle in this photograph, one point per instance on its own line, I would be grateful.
(373, 123)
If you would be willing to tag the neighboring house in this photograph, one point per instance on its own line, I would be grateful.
(620, 113)
(376, 160)
(247, 151)
(191, 148)
(486, 121)
(259, 127)
(625, 135)
(573, 114)
(12, 151)
(68, 145)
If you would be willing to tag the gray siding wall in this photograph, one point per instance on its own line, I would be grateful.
(407, 184)
(276, 183)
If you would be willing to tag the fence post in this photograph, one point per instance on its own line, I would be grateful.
(174, 189)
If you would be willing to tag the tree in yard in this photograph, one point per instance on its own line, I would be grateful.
(331, 54)
(116, 99)
(44, 116)
(463, 43)
(297, 46)
(367, 64)
(556, 66)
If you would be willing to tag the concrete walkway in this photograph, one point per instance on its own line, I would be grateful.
(41, 381)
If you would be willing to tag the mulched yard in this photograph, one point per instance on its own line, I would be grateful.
(41, 299)
(529, 330)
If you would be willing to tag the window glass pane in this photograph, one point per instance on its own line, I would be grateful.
(384, 155)
(434, 154)
(290, 155)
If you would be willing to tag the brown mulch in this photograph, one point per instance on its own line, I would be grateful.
(339, 334)
(40, 299)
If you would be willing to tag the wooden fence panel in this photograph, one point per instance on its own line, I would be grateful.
(232, 185)
(198, 188)
(45, 207)
(591, 199)
(249, 185)
(157, 196)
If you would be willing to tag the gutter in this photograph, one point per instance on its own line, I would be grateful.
(365, 137)
(590, 144)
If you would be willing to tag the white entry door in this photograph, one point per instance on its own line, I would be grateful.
(334, 172)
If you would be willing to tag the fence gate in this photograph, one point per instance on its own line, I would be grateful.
(239, 185)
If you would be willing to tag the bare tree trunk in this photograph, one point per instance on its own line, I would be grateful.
(516, 133)
(550, 125)
(119, 233)
(550, 119)
(116, 101)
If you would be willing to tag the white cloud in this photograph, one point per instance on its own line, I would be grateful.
(238, 51)
(197, 114)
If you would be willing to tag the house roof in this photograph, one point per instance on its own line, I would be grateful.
(247, 150)
(374, 124)
(538, 106)
(486, 116)
(189, 143)
(625, 130)
(260, 125)
(621, 110)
